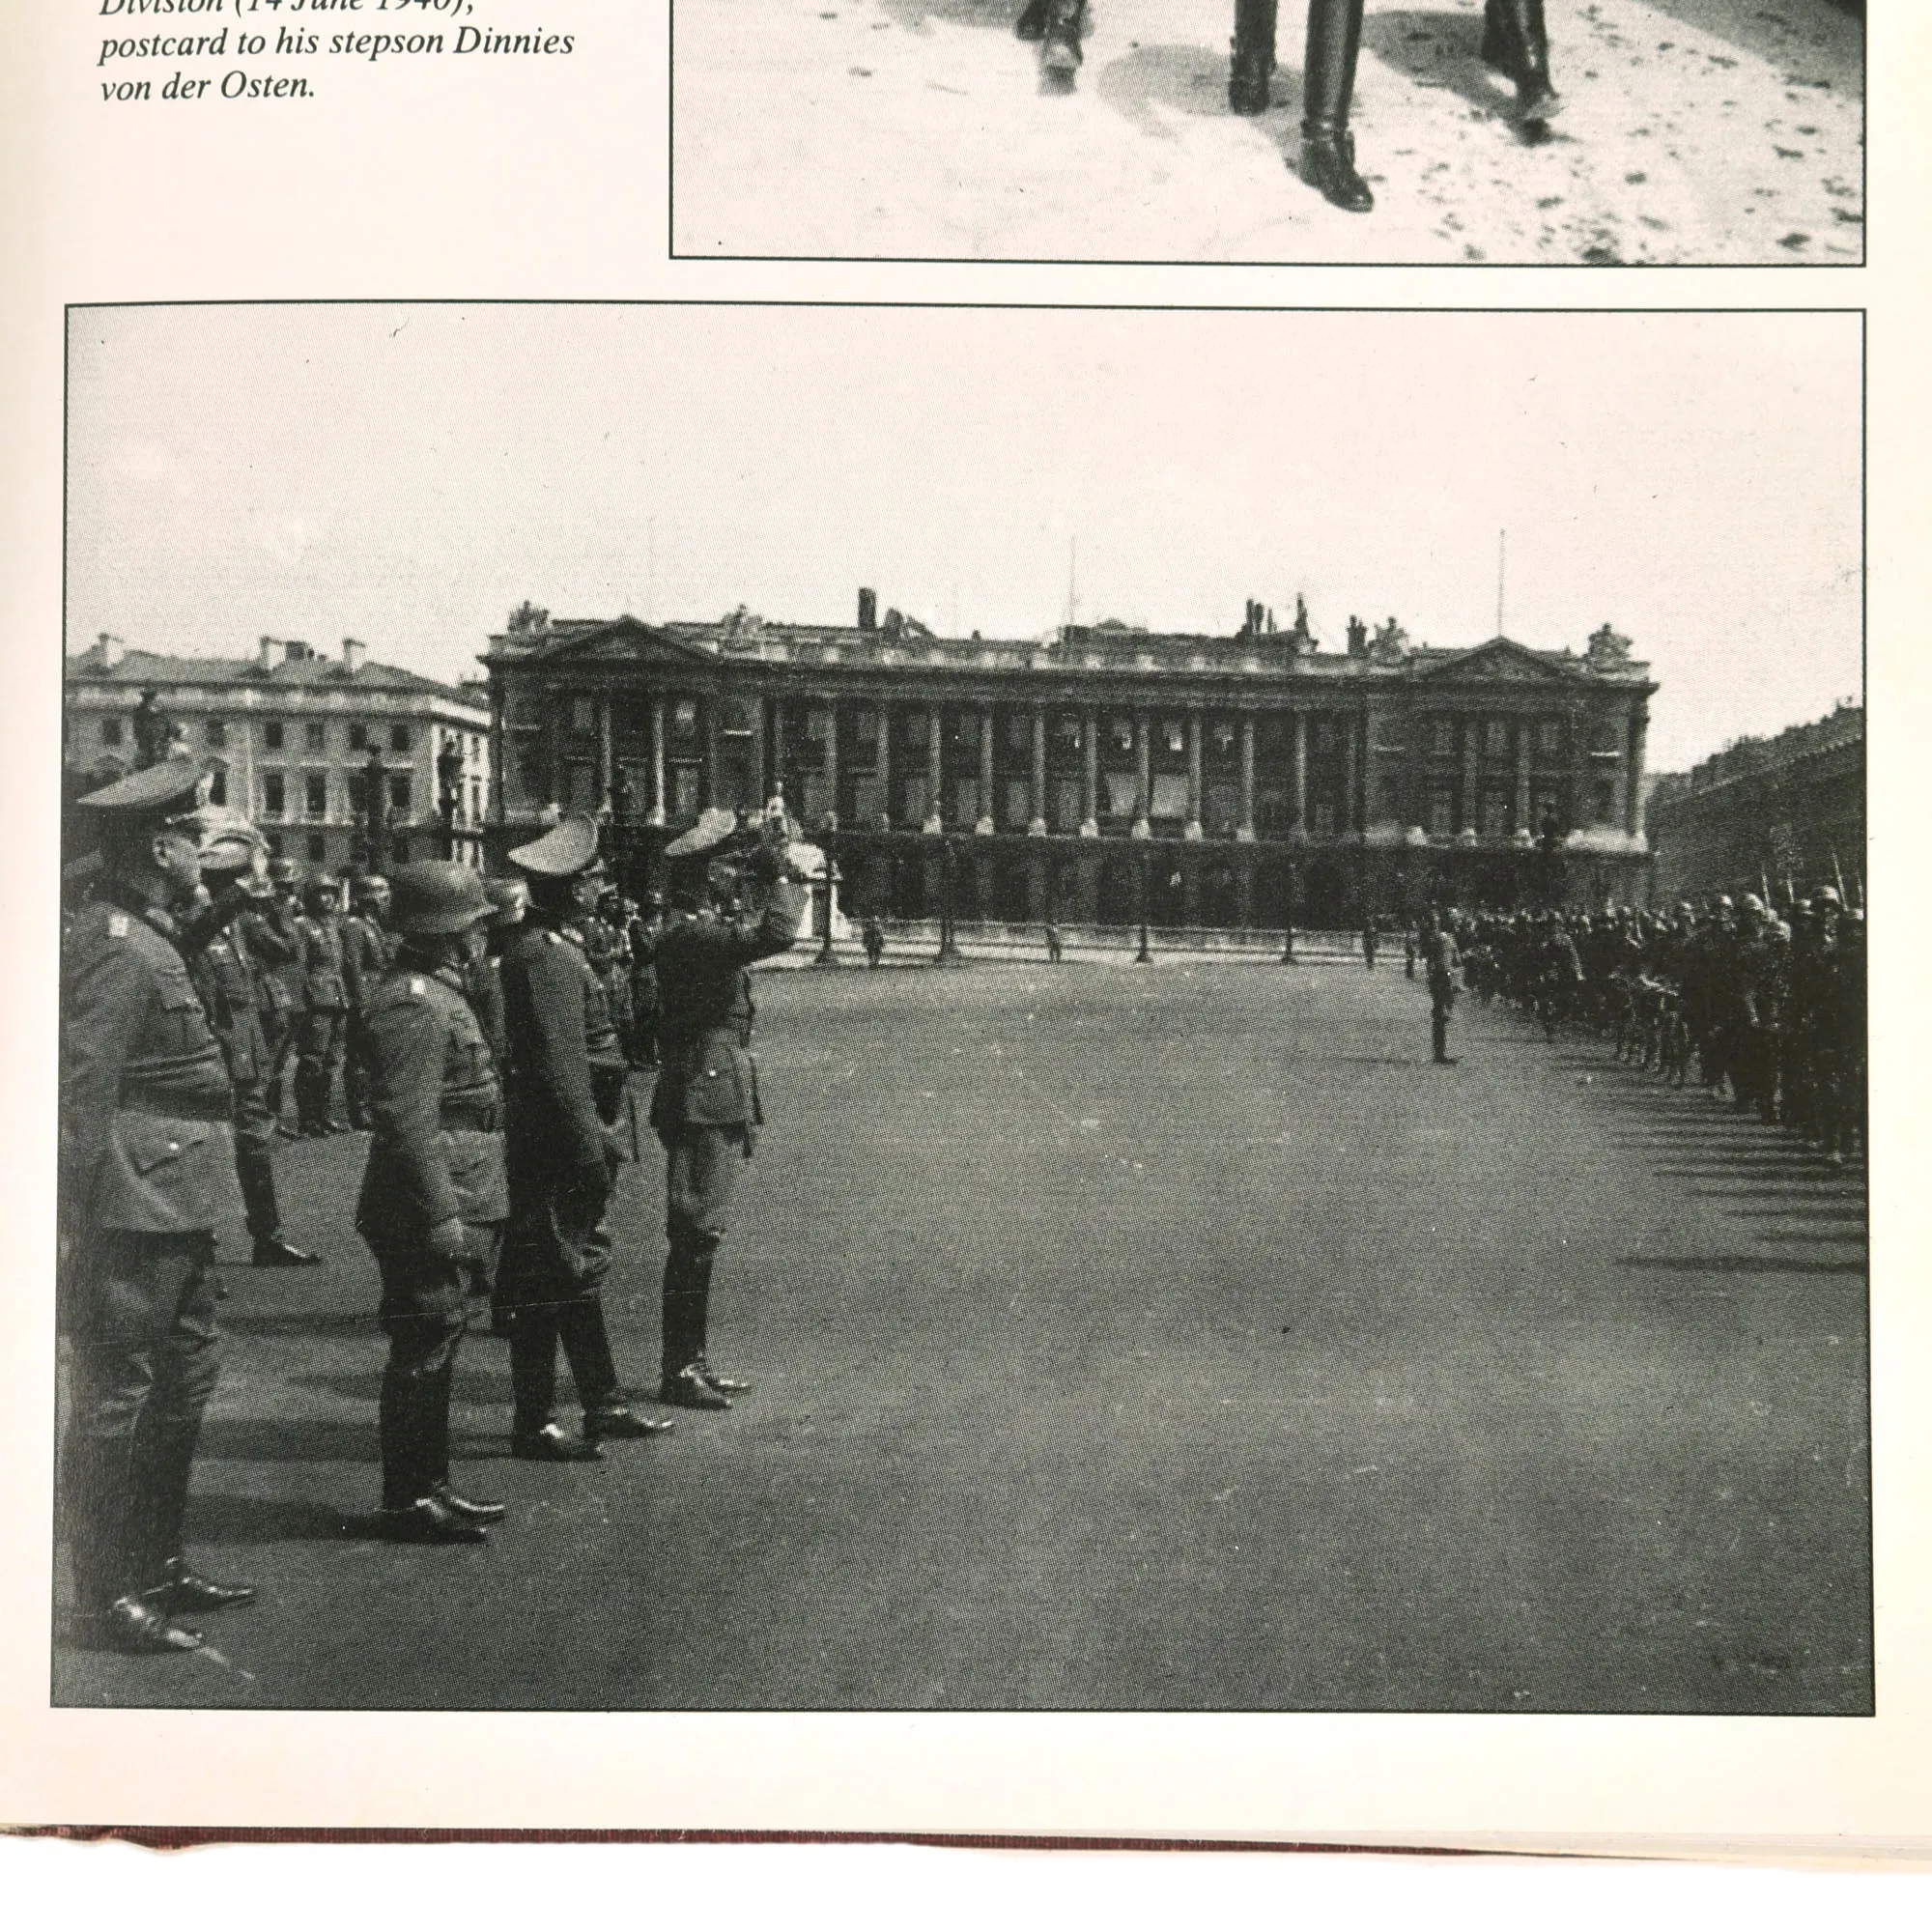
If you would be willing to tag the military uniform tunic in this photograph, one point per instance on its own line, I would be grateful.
(436, 1155)
(325, 1020)
(705, 1108)
(224, 974)
(147, 1172)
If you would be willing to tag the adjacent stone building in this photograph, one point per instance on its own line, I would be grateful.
(290, 735)
(1098, 772)
(1787, 812)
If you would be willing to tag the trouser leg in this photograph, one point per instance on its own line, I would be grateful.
(355, 1074)
(254, 1161)
(587, 1348)
(533, 1368)
(413, 1414)
(1438, 1030)
(146, 1361)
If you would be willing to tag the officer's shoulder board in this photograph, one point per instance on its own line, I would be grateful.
(553, 938)
(118, 926)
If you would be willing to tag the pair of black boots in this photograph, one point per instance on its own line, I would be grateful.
(1515, 42)
(1328, 85)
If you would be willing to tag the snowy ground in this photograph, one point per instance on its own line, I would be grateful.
(1697, 132)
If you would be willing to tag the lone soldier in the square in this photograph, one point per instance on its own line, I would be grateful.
(147, 1172)
(434, 1194)
(1445, 961)
(706, 1106)
(567, 1088)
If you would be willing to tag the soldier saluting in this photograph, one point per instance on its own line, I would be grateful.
(433, 1195)
(147, 1172)
(566, 1092)
(706, 1106)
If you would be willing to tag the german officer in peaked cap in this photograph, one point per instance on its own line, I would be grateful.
(147, 1172)
(433, 1195)
(566, 1092)
(706, 1106)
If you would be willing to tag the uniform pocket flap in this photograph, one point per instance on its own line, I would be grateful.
(149, 1144)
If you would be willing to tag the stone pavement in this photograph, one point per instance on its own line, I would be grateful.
(1172, 1338)
(1697, 132)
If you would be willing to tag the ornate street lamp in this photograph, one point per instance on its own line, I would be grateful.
(1144, 956)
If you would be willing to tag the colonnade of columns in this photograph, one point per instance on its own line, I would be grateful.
(1350, 776)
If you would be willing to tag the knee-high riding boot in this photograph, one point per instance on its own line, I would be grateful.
(1524, 42)
(1251, 65)
(1328, 85)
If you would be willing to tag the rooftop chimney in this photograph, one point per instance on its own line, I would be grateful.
(354, 649)
(869, 609)
(112, 650)
(271, 653)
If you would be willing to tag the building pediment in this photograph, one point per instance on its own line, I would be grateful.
(622, 640)
(1501, 660)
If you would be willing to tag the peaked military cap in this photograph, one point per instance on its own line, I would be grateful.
(158, 793)
(713, 827)
(569, 847)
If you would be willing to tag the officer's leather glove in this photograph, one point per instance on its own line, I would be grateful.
(450, 1242)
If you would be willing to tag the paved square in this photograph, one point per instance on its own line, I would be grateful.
(1163, 1337)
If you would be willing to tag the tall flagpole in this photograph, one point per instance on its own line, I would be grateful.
(1502, 557)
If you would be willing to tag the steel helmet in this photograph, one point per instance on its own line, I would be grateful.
(438, 895)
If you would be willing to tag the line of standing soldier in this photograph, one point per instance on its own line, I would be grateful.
(1515, 43)
(1767, 1009)
(496, 1092)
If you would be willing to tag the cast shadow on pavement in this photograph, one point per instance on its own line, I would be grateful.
(1181, 80)
(1441, 50)
(913, 16)
(247, 1519)
(1738, 1264)
(1747, 24)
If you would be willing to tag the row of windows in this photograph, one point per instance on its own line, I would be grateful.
(276, 735)
(738, 718)
(312, 789)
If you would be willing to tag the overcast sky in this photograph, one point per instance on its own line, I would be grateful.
(405, 475)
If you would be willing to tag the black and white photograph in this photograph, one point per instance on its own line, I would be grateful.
(785, 1007)
(1539, 132)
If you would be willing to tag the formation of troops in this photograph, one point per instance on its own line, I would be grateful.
(483, 1035)
(1515, 43)
(1764, 1006)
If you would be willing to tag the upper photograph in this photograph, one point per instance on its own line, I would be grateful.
(1589, 132)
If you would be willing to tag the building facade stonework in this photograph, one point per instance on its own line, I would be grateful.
(1230, 781)
(1786, 813)
(289, 734)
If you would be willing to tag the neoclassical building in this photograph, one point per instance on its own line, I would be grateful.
(1226, 779)
(290, 734)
